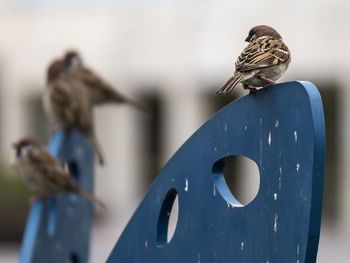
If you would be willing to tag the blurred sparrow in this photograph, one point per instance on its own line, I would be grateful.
(43, 174)
(99, 91)
(67, 102)
(262, 62)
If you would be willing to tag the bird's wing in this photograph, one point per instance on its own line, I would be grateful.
(262, 53)
(99, 90)
(60, 96)
(50, 169)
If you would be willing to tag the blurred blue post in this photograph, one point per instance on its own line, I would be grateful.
(281, 128)
(58, 230)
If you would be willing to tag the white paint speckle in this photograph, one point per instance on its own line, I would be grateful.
(269, 138)
(295, 136)
(186, 184)
(146, 244)
(172, 180)
(298, 167)
(214, 190)
(298, 249)
(225, 127)
(198, 258)
(275, 196)
(260, 120)
(242, 245)
(215, 149)
(275, 223)
(280, 182)
(245, 127)
(297, 260)
(277, 123)
(280, 170)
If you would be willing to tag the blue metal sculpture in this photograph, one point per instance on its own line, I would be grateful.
(58, 230)
(281, 128)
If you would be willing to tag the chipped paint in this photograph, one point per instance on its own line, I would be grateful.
(269, 138)
(225, 127)
(295, 136)
(279, 182)
(214, 190)
(186, 184)
(298, 167)
(275, 196)
(298, 250)
(242, 245)
(260, 149)
(277, 123)
(275, 223)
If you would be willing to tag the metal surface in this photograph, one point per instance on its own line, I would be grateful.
(58, 229)
(281, 128)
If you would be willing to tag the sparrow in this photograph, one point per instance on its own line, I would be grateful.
(44, 174)
(261, 63)
(67, 102)
(98, 90)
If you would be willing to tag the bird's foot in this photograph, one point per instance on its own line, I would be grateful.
(268, 81)
(35, 198)
(60, 127)
(251, 89)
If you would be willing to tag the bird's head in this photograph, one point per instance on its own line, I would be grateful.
(72, 60)
(262, 31)
(25, 146)
(55, 70)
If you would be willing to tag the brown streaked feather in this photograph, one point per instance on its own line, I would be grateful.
(262, 53)
(101, 92)
(230, 85)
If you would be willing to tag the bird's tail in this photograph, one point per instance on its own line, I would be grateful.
(98, 149)
(82, 192)
(116, 97)
(230, 85)
(140, 107)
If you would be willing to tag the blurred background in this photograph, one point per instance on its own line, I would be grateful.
(171, 55)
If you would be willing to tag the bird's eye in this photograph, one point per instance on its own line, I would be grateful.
(251, 37)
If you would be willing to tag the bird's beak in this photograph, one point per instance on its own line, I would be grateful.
(247, 39)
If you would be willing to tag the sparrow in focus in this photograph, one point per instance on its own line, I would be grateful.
(99, 91)
(44, 174)
(67, 102)
(261, 63)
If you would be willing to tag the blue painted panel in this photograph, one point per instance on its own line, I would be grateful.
(58, 230)
(281, 128)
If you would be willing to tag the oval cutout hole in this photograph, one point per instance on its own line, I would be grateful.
(237, 179)
(51, 216)
(168, 217)
(73, 169)
(73, 258)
